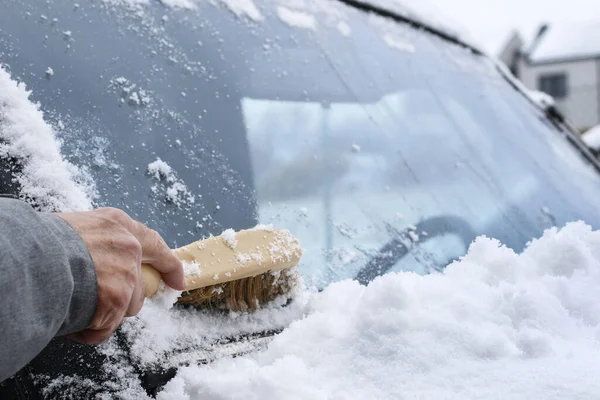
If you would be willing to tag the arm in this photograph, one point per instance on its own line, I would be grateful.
(47, 283)
(76, 274)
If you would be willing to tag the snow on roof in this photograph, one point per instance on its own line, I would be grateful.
(592, 138)
(563, 41)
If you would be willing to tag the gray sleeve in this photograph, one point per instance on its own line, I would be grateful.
(47, 283)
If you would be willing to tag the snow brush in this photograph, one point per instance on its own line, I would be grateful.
(236, 271)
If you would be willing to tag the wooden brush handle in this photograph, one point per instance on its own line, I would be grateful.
(220, 259)
(151, 279)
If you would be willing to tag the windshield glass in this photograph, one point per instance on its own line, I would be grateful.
(381, 147)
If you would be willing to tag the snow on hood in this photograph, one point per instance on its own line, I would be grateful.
(495, 324)
(46, 179)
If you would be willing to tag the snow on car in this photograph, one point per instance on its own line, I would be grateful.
(592, 138)
(450, 225)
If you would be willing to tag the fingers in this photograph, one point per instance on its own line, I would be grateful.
(137, 297)
(156, 253)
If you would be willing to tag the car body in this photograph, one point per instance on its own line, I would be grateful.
(382, 142)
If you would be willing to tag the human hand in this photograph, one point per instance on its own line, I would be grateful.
(118, 246)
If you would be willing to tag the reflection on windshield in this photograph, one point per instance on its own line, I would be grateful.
(349, 178)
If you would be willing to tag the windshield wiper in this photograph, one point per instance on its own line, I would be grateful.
(421, 25)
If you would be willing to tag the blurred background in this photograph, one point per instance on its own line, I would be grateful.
(552, 46)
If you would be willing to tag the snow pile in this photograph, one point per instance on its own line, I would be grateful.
(495, 324)
(592, 137)
(45, 178)
(175, 190)
(167, 336)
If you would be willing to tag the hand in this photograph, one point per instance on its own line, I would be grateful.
(118, 246)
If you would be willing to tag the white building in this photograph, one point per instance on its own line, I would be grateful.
(564, 62)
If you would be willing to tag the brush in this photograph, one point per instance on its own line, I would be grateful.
(236, 270)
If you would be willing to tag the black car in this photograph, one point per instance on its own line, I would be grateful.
(381, 142)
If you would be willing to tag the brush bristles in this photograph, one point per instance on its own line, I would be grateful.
(244, 294)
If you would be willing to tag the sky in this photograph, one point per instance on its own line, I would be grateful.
(490, 22)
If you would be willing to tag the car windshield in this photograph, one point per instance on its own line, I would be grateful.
(380, 146)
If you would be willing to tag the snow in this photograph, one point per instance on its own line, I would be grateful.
(592, 137)
(344, 28)
(159, 169)
(165, 297)
(413, 236)
(398, 44)
(544, 100)
(564, 40)
(297, 19)
(244, 7)
(356, 148)
(186, 4)
(172, 336)
(175, 190)
(494, 324)
(49, 72)
(540, 98)
(229, 237)
(130, 92)
(46, 179)
(191, 268)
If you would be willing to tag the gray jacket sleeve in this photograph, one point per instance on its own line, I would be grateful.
(47, 283)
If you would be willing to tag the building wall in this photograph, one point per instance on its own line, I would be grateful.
(582, 103)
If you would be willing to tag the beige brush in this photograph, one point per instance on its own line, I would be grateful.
(240, 270)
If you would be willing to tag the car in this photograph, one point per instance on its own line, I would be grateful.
(383, 142)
